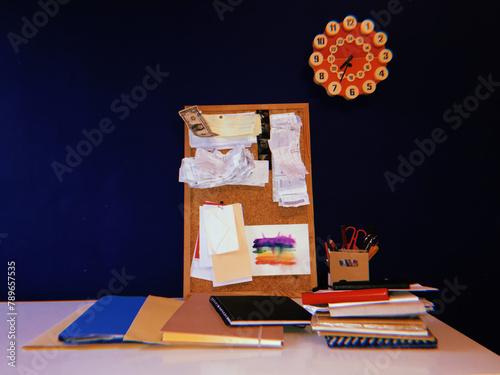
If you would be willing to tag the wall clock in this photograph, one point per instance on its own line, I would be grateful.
(350, 58)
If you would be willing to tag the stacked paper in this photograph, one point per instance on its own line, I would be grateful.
(393, 322)
(221, 253)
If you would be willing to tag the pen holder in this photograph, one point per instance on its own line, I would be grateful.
(349, 265)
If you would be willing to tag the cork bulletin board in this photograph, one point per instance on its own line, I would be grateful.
(258, 209)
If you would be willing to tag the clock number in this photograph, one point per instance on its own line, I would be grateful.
(316, 59)
(381, 73)
(349, 38)
(332, 28)
(321, 76)
(369, 86)
(360, 40)
(385, 56)
(319, 41)
(334, 68)
(334, 88)
(369, 57)
(360, 74)
(351, 92)
(367, 27)
(367, 47)
(349, 23)
(379, 39)
(331, 59)
(340, 41)
(333, 49)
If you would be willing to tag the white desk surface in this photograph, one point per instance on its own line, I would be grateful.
(304, 353)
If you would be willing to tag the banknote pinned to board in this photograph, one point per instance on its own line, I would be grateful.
(195, 122)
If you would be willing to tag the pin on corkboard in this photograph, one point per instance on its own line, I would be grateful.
(258, 209)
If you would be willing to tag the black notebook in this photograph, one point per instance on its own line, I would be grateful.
(260, 310)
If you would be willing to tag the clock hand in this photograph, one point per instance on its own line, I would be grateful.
(347, 64)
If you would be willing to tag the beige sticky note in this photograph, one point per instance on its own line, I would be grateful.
(234, 125)
(235, 265)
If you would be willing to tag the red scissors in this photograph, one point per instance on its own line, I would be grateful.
(354, 238)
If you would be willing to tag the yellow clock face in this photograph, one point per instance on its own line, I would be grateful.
(350, 58)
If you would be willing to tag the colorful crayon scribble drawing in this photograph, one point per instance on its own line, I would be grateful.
(274, 251)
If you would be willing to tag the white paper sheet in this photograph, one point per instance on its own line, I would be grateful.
(220, 228)
(282, 260)
(199, 272)
(220, 143)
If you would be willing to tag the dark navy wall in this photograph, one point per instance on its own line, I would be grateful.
(91, 142)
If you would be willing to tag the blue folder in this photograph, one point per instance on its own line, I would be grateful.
(107, 320)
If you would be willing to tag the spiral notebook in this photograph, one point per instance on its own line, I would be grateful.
(365, 341)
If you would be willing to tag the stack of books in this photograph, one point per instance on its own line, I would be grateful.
(371, 318)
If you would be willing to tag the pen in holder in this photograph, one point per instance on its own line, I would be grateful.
(350, 262)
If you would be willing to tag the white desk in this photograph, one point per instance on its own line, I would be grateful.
(304, 353)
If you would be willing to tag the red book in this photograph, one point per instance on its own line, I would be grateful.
(338, 296)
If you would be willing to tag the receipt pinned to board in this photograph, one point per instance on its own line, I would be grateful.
(289, 171)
